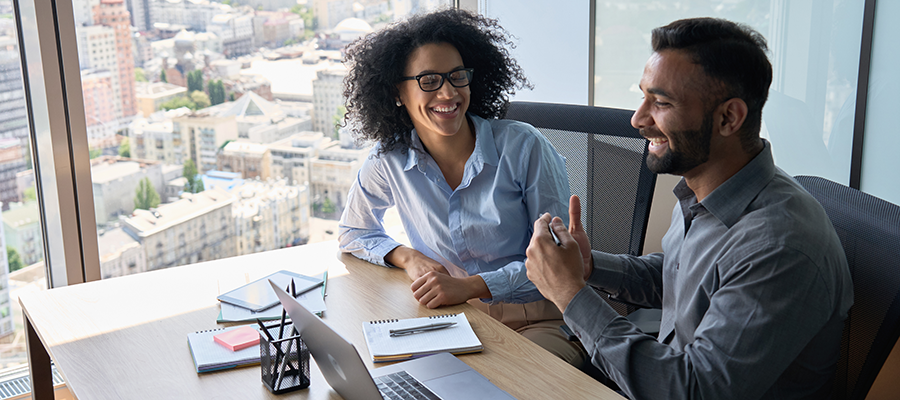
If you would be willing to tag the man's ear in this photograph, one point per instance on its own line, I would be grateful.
(731, 116)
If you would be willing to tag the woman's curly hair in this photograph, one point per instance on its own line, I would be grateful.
(378, 61)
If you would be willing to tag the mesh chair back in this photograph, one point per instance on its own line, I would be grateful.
(869, 229)
(605, 161)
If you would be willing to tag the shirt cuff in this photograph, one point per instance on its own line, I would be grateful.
(587, 315)
(381, 250)
(607, 272)
(497, 284)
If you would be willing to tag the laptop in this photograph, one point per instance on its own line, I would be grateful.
(443, 375)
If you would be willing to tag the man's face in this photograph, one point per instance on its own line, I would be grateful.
(673, 115)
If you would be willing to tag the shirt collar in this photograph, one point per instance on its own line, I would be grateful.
(728, 201)
(485, 149)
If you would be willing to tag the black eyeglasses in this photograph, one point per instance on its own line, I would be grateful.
(433, 81)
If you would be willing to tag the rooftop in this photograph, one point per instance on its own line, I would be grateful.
(146, 223)
(113, 241)
(23, 215)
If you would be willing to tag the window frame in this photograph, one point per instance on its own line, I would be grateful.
(58, 134)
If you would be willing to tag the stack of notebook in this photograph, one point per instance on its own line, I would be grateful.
(211, 356)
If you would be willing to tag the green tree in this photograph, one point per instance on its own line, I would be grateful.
(29, 194)
(125, 148)
(195, 81)
(15, 261)
(216, 92)
(310, 22)
(139, 75)
(200, 100)
(178, 102)
(162, 76)
(194, 184)
(145, 195)
(94, 153)
(328, 207)
(338, 118)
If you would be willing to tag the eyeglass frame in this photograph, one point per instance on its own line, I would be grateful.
(445, 77)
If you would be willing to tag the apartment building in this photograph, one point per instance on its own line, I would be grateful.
(22, 231)
(151, 95)
(328, 97)
(115, 180)
(291, 157)
(120, 254)
(333, 172)
(270, 215)
(250, 160)
(198, 227)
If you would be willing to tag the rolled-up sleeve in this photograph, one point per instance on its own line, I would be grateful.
(361, 229)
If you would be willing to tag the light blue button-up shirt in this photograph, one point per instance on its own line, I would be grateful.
(483, 226)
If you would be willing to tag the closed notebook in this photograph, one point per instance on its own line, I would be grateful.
(457, 339)
(211, 356)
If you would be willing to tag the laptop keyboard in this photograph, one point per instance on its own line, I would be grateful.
(401, 385)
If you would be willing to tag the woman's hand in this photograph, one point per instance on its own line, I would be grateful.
(414, 262)
(435, 289)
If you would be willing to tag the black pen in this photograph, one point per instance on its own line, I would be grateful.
(271, 343)
(283, 314)
(265, 330)
(555, 238)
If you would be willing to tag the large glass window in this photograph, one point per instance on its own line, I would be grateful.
(882, 140)
(814, 50)
(211, 125)
(21, 232)
(551, 46)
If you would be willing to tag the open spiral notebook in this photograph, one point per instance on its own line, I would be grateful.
(457, 339)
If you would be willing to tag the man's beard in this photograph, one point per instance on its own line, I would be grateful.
(692, 149)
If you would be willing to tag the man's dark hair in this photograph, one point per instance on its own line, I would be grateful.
(733, 55)
(377, 62)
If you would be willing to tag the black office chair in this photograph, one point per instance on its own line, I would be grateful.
(605, 162)
(869, 229)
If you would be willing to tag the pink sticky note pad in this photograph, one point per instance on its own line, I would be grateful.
(238, 339)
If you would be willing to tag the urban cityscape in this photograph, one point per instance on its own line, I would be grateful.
(212, 128)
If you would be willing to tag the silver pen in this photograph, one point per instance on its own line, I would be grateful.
(419, 329)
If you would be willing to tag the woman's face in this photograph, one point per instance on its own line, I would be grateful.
(443, 111)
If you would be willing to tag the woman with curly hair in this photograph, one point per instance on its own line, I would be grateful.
(467, 185)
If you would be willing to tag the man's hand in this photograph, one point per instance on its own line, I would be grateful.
(435, 289)
(578, 233)
(556, 271)
(414, 262)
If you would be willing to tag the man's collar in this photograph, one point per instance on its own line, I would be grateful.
(728, 201)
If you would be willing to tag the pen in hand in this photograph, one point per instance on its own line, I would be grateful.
(555, 238)
(420, 329)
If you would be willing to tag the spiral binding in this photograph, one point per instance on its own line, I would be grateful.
(210, 330)
(389, 321)
(442, 316)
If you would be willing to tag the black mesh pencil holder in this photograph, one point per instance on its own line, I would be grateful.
(284, 362)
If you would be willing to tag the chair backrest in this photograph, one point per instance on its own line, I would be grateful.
(605, 162)
(869, 229)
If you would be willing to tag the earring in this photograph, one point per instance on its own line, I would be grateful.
(398, 103)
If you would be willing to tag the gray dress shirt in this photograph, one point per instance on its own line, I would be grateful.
(754, 288)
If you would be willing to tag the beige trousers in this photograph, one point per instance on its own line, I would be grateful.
(538, 321)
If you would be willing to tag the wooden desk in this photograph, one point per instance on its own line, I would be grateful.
(126, 338)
